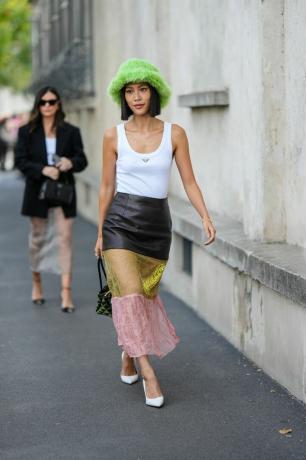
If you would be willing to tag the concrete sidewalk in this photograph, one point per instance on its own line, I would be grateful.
(61, 397)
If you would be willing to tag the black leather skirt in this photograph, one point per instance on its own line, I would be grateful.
(139, 224)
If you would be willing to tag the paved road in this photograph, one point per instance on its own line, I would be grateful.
(60, 393)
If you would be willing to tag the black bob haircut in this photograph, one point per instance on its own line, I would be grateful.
(154, 108)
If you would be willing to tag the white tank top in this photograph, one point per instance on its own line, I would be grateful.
(145, 174)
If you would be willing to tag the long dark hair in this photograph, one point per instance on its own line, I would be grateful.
(154, 108)
(35, 115)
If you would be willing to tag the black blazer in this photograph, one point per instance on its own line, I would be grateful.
(31, 158)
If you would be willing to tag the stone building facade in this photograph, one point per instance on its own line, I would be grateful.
(238, 74)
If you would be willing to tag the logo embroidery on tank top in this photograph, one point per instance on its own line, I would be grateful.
(145, 160)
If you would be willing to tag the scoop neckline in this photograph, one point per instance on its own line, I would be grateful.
(149, 153)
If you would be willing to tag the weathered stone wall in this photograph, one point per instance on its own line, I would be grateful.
(295, 74)
(249, 157)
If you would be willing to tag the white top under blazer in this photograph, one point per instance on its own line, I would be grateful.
(144, 174)
(51, 149)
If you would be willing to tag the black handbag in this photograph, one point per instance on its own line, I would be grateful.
(104, 303)
(56, 193)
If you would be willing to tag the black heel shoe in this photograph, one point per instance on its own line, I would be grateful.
(38, 301)
(67, 308)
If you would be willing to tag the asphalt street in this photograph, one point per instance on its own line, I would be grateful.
(60, 392)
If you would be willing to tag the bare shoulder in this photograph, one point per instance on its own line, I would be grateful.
(177, 130)
(178, 135)
(110, 138)
(110, 134)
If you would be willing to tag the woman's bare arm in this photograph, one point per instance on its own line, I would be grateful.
(183, 162)
(108, 182)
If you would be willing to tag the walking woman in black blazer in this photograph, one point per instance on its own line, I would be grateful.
(48, 147)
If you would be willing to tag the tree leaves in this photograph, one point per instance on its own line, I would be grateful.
(15, 43)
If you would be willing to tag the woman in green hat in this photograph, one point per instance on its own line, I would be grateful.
(134, 233)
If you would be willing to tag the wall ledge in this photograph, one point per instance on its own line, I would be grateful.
(279, 266)
(213, 98)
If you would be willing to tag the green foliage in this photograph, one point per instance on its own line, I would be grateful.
(15, 43)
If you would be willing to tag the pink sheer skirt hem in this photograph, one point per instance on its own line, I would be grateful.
(142, 326)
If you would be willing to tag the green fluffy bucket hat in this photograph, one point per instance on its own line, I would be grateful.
(135, 71)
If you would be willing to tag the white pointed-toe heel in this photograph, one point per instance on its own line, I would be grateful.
(154, 402)
(129, 379)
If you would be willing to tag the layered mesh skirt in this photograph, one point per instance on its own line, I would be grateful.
(136, 244)
(50, 243)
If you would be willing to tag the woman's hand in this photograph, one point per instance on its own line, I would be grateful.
(209, 230)
(51, 171)
(99, 247)
(64, 164)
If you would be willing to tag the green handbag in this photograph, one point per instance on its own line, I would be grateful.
(104, 303)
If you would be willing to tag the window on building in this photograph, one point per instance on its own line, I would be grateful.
(63, 51)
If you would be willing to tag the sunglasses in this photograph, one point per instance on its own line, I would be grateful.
(43, 102)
